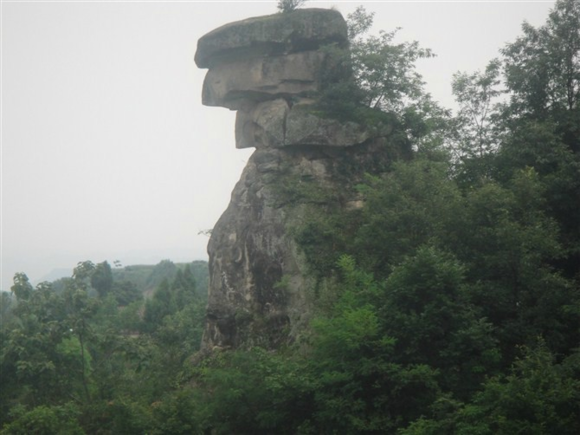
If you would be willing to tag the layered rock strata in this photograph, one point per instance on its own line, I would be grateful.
(269, 69)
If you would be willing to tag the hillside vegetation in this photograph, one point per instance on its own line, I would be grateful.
(448, 303)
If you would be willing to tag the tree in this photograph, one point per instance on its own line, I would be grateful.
(6, 305)
(44, 420)
(542, 118)
(44, 357)
(164, 270)
(22, 289)
(360, 385)
(537, 396)
(29, 356)
(126, 292)
(404, 209)
(425, 309)
(102, 279)
(543, 66)
(383, 70)
(476, 93)
(375, 77)
(537, 127)
(285, 6)
(79, 309)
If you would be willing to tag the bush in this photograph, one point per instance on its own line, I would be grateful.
(44, 420)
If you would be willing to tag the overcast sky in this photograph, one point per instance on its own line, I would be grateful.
(107, 152)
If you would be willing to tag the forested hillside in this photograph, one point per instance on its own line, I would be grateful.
(67, 346)
(147, 278)
(447, 303)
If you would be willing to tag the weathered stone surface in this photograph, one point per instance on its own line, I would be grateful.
(233, 84)
(273, 35)
(273, 124)
(306, 126)
(261, 125)
(250, 252)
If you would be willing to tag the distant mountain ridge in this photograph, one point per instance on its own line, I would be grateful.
(145, 277)
(54, 275)
(148, 277)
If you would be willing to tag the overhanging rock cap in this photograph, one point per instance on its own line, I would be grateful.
(271, 35)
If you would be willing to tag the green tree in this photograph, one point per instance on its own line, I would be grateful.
(29, 355)
(102, 278)
(252, 392)
(158, 307)
(384, 70)
(538, 396)
(522, 240)
(126, 292)
(44, 420)
(165, 270)
(542, 66)
(426, 310)
(359, 384)
(475, 136)
(6, 306)
(79, 309)
(286, 6)
(404, 209)
(542, 73)
(376, 78)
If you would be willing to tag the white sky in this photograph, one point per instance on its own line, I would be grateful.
(107, 152)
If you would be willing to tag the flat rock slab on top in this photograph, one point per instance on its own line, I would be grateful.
(278, 34)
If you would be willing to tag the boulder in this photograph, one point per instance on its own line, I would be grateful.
(272, 35)
(307, 126)
(261, 125)
(259, 79)
(273, 124)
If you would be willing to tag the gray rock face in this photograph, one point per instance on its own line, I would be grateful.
(262, 125)
(273, 35)
(261, 291)
(250, 253)
(273, 124)
(304, 126)
(268, 69)
(259, 79)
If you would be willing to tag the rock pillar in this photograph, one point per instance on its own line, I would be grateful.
(269, 69)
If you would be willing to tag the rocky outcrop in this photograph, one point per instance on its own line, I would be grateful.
(262, 125)
(269, 69)
(258, 79)
(273, 35)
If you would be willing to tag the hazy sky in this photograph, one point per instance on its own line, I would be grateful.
(107, 152)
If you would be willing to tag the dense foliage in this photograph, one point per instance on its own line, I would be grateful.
(89, 354)
(448, 304)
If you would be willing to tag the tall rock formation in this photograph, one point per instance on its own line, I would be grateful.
(270, 69)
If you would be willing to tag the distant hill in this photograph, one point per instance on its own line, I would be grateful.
(147, 277)
(54, 275)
